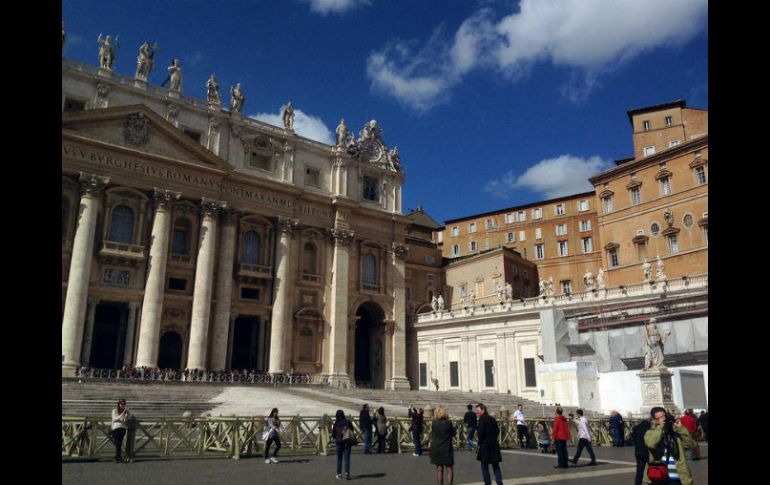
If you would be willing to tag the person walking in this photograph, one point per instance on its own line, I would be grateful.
(640, 449)
(666, 442)
(488, 449)
(560, 437)
(416, 415)
(120, 416)
(273, 426)
(691, 424)
(616, 428)
(381, 423)
(471, 422)
(521, 425)
(365, 420)
(441, 450)
(342, 431)
(584, 437)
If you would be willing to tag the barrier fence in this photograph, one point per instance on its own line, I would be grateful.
(236, 437)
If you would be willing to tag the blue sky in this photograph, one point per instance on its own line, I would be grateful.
(491, 103)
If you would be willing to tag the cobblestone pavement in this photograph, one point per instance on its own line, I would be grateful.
(616, 467)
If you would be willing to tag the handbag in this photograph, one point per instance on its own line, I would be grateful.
(657, 472)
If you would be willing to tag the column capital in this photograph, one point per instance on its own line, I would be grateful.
(164, 198)
(342, 236)
(92, 184)
(133, 305)
(210, 207)
(93, 301)
(287, 225)
(401, 251)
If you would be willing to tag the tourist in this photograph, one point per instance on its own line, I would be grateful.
(118, 428)
(584, 437)
(703, 420)
(489, 449)
(691, 424)
(560, 437)
(640, 449)
(616, 428)
(542, 437)
(666, 443)
(416, 426)
(381, 423)
(521, 425)
(273, 425)
(366, 427)
(344, 439)
(441, 451)
(470, 426)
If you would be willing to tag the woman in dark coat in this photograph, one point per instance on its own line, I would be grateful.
(489, 449)
(341, 426)
(441, 451)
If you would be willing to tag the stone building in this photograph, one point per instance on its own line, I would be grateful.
(194, 237)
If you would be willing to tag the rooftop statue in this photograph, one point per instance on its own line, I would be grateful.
(146, 60)
(106, 52)
(212, 90)
(288, 116)
(237, 99)
(175, 76)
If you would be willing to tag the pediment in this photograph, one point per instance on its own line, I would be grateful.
(138, 128)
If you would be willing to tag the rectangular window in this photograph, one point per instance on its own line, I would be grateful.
(249, 293)
(646, 124)
(454, 374)
(440, 237)
(700, 175)
(665, 186)
(673, 245)
(537, 213)
(612, 255)
(370, 189)
(455, 231)
(561, 229)
(539, 251)
(312, 177)
(471, 227)
(529, 373)
(538, 233)
(509, 218)
(431, 277)
(179, 284)
(456, 250)
(583, 205)
(423, 374)
(521, 216)
(607, 204)
(669, 121)
(192, 134)
(585, 226)
(463, 291)
(73, 105)
(636, 196)
(522, 236)
(510, 237)
(563, 249)
(566, 287)
(489, 373)
(490, 223)
(673, 143)
(472, 246)
(587, 244)
(649, 150)
(261, 162)
(559, 210)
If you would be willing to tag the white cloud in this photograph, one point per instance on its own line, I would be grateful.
(592, 37)
(335, 6)
(552, 177)
(305, 125)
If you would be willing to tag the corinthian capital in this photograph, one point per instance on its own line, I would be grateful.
(210, 208)
(91, 184)
(164, 198)
(400, 250)
(342, 236)
(287, 225)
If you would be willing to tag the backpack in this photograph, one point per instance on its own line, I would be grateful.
(348, 437)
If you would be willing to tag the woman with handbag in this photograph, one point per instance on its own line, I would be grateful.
(118, 428)
(342, 431)
(273, 426)
(667, 442)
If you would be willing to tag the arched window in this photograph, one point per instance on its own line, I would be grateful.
(179, 243)
(370, 270)
(65, 206)
(309, 258)
(251, 247)
(122, 225)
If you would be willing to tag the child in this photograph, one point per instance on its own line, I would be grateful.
(542, 437)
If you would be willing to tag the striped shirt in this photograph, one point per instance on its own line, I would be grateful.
(673, 474)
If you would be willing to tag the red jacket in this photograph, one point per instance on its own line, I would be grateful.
(690, 423)
(560, 429)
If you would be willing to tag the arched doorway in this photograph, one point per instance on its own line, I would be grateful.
(245, 343)
(370, 346)
(170, 353)
(109, 335)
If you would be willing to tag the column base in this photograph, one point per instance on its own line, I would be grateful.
(69, 369)
(339, 381)
(399, 384)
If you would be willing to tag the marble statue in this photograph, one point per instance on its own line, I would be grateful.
(175, 76)
(654, 340)
(647, 270)
(342, 133)
(212, 90)
(145, 61)
(237, 99)
(669, 217)
(543, 285)
(588, 280)
(600, 279)
(434, 303)
(550, 290)
(441, 303)
(288, 116)
(660, 274)
(508, 292)
(500, 294)
(434, 380)
(106, 52)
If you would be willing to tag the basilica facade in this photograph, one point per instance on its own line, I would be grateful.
(194, 237)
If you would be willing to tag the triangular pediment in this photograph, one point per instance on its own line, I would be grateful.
(138, 128)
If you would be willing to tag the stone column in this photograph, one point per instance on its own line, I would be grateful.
(154, 288)
(224, 292)
(80, 271)
(130, 329)
(398, 378)
(88, 337)
(501, 365)
(338, 341)
(281, 318)
(204, 274)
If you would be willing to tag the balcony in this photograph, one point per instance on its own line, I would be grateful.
(313, 278)
(122, 252)
(180, 258)
(254, 271)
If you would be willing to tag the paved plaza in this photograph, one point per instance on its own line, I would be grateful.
(616, 466)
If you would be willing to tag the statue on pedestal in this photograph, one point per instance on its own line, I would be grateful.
(473, 298)
(106, 52)
(237, 99)
(500, 294)
(543, 287)
(441, 303)
(288, 117)
(145, 61)
(175, 76)
(550, 290)
(588, 280)
(653, 357)
(342, 133)
(647, 271)
(668, 215)
(660, 273)
(434, 303)
(212, 91)
(600, 279)
(508, 292)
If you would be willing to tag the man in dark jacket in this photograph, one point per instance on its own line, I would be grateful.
(616, 428)
(489, 448)
(470, 426)
(366, 426)
(640, 449)
(703, 420)
(416, 426)
(560, 437)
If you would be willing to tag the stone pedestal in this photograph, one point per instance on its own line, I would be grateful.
(657, 389)
(174, 94)
(140, 83)
(104, 72)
